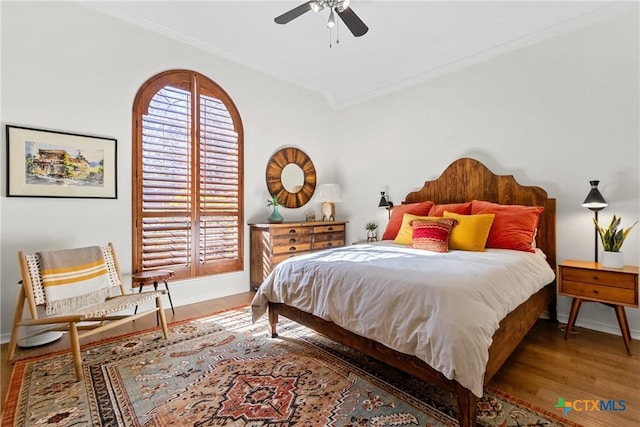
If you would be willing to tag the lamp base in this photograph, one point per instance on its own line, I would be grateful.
(328, 211)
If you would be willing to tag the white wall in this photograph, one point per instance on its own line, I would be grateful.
(66, 67)
(554, 114)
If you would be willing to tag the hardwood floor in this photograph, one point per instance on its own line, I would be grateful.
(589, 366)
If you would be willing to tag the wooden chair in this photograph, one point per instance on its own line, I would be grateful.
(100, 317)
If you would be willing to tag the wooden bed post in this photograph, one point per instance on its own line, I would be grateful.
(273, 321)
(467, 402)
(553, 307)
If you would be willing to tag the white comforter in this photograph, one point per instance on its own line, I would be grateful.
(442, 308)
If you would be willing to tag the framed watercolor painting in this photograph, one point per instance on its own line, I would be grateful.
(45, 163)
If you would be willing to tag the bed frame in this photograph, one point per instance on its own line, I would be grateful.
(464, 180)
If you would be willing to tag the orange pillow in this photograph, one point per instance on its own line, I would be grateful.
(398, 211)
(514, 226)
(457, 208)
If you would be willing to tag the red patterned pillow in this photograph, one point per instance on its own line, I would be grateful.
(398, 211)
(432, 235)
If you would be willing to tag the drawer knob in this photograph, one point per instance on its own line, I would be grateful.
(330, 228)
(292, 231)
(329, 244)
(595, 291)
(292, 248)
(292, 240)
(596, 278)
(329, 236)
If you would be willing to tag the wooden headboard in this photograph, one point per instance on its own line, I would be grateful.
(467, 179)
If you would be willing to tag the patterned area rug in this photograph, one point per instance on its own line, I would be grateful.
(225, 371)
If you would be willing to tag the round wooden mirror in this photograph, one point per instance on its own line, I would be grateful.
(291, 176)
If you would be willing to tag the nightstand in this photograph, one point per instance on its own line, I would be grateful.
(589, 281)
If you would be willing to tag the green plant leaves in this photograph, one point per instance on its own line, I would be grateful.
(273, 201)
(611, 237)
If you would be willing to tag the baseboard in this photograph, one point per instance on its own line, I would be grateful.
(599, 326)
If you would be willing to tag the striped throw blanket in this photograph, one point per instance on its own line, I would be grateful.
(73, 278)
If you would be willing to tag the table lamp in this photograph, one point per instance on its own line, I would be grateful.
(385, 202)
(595, 202)
(329, 194)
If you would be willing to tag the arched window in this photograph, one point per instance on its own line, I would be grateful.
(187, 177)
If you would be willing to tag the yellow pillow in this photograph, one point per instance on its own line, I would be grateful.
(470, 232)
(405, 234)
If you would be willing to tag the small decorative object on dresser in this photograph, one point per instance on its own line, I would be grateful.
(590, 281)
(311, 216)
(372, 231)
(612, 240)
(271, 244)
(275, 217)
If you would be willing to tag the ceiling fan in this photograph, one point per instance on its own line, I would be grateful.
(339, 7)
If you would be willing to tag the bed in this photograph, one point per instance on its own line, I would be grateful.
(506, 324)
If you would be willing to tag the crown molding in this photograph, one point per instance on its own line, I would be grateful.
(605, 12)
(565, 27)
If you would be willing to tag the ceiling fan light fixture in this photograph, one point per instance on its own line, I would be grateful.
(332, 20)
(317, 6)
(344, 5)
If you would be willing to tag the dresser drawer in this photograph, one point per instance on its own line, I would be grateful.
(319, 229)
(327, 237)
(328, 244)
(291, 240)
(293, 248)
(599, 277)
(290, 231)
(614, 295)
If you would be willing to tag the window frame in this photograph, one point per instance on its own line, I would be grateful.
(193, 82)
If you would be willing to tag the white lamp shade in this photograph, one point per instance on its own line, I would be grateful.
(329, 193)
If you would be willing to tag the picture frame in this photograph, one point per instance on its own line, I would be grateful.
(47, 163)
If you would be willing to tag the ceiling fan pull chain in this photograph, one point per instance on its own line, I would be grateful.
(330, 38)
(337, 32)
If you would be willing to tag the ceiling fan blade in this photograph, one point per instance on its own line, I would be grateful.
(294, 13)
(353, 23)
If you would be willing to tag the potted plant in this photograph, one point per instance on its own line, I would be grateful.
(612, 240)
(275, 217)
(372, 233)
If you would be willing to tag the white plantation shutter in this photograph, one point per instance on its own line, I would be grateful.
(188, 177)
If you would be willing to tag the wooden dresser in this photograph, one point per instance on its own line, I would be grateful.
(272, 243)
